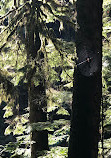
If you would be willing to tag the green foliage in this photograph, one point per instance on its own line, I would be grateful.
(56, 152)
(8, 109)
(60, 137)
(49, 125)
(16, 149)
(63, 60)
(62, 111)
(57, 98)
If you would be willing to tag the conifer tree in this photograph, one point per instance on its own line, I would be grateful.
(84, 134)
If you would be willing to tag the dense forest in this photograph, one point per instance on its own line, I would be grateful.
(55, 79)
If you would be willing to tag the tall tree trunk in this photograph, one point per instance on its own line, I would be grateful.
(37, 101)
(84, 133)
(36, 94)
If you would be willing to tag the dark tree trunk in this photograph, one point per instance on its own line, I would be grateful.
(37, 101)
(84, 134)
(36, 93)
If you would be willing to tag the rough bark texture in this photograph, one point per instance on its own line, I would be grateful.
(36, 94)
(84, 134)
(37, 100)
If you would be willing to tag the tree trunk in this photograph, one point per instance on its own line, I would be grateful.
(37, 100)
(84, 133)
(36, 93)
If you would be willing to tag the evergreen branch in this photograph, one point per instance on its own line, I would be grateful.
(37, 3)
(50, 34)
(12, 32)
(13, 21)
(48, 8)
(66, 20)
(8, 27)
(7, 85)
(67, 74)
(42, 13)
(53, 4)
(2, 47)
(14, 9)
(61, 55)
(55, 43)
(10, 11)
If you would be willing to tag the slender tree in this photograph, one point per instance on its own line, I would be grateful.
(84, 133)
(36, 93)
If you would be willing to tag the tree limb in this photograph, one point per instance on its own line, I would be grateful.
(12, 32)
(7, 85)
(12, 10)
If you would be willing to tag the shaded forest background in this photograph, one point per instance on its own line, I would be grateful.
(55, 63)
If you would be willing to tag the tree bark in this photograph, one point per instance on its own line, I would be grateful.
(37, 101)
(84, 133)
(36, 93)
